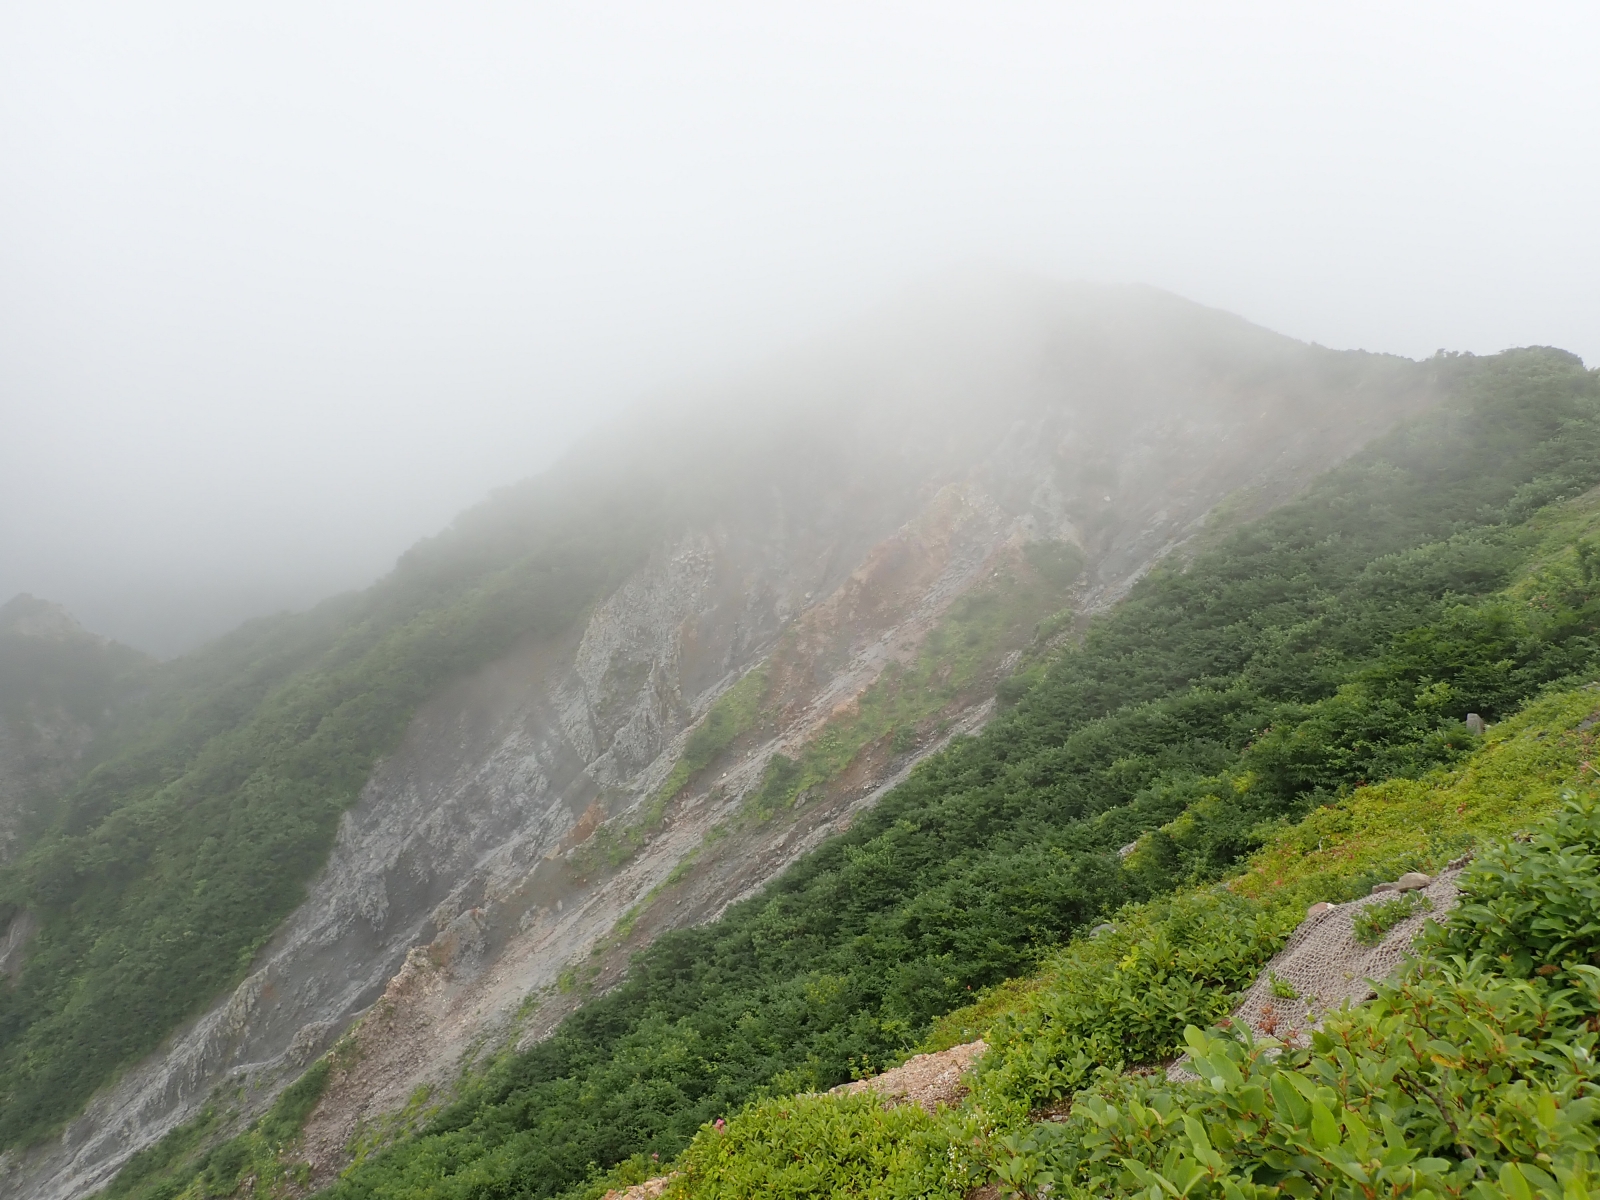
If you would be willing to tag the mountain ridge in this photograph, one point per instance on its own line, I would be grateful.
(1167, 455)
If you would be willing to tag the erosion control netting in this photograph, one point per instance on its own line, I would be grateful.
(1325, 965)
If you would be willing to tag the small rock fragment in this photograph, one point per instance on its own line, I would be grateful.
(648, 1190)
(1475, 725)
(1106, 927)
(1382, 887)
(1124, 851)
(1412, 881)
(926, 1079)
(1319, 910)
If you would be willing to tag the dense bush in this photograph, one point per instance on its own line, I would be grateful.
(801, 1146)
(1534, 906)
(1127, 996)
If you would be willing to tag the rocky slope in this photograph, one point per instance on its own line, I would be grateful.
(897, 521)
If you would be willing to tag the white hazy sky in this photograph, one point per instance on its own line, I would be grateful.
(283, 286)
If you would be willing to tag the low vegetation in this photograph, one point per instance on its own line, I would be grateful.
(1374, 923)
(1471, 1073)
(826, 1146)
(183, 1164)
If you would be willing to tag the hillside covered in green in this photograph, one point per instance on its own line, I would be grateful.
(1337, 642)
(206, 808)
(154, 871)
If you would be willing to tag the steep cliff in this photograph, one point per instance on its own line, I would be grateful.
(837, 560)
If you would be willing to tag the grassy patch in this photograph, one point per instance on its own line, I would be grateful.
(824, 1146)
(1379, 832)
(735, 713)
(1524, 769)
(1373, 923)
(372, 1136)
(1467, 1075)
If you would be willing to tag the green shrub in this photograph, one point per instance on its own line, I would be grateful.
(1448, 1084)
(1125, 998)
(823, 1146)
(1373, 923)
(1534, 906)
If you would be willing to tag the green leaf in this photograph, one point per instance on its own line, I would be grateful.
(1324, 1129)
(1514, 1184)
(1357, 1131)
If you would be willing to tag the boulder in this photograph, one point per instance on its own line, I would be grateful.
(926, 1079)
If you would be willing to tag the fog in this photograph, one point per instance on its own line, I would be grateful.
(283, 287)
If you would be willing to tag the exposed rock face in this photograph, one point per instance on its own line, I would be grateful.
(648, 1190)
(22, 927)
(895, 481)
(930, 1080)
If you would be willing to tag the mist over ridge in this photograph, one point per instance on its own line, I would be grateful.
(286, 289)
(919, 369)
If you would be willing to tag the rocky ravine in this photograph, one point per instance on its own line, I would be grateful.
(458, 886)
